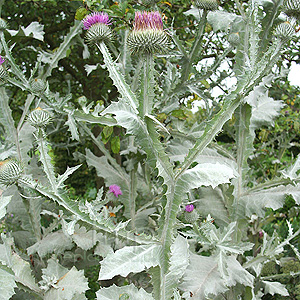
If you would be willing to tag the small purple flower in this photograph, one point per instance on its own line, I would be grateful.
(189, 208)
(260, 234)
(116, 190)
(148, 20)
(11, 215)
(2, 60)
(94, 18)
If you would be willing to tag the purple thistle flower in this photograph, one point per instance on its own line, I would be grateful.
(116, 190)
(2, 60)
(189, 208)
(148, 20)
(260, 234)
(94, 18)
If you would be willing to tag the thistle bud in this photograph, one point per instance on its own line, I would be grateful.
(234, 38)
(190, 214)
(10, 171)
(292, 8)
(207, 4)
(3, 72)
(3, 25)
(97, 26)
(284, 31)
(148, 36)
(38, 85)
(39, 118)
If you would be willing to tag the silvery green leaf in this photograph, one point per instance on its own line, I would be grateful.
(56, 242)
(194, 11)
(4, 200)
(176, 295)
(202, 278)
(179, 148)
(256, 202)
(7, 283)
(212, 201)
(272, 288)
(207, 174)
(68, 228)
(20, 267)
(116, 293)
(79, 297)
(62, 178)
(130, 259)
(178, 263)
(26, 141)
(83, 238)
(90, 68)
(291, 172)
(64, 283)
(221, 20)
(236, 273)
(34, 29)
(71, 123)
(264, 110)
(6, 118)
(103, 247)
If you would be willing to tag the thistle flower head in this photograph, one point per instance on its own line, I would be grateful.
(97, 26)
(292, 8)
(234, 38)
(189, 207)
(115, 189)
(39, 118)
(38, 85)
(95, 18)
(285, 31)
(2, 60)
(191, 215)
(10, 171)
(148, 36)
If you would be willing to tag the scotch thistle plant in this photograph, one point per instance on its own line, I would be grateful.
(97, 26)
(148, 36)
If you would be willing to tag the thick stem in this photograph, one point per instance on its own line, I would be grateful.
(146, 100)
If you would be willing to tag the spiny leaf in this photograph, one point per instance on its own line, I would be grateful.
(124, 292)
(130, 259)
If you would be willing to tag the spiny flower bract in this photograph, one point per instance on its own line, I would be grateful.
(39, 118)
(292, 8)
(97, 26)
(10, 171)
(285, 31)
(148, 36)
(207, 4)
